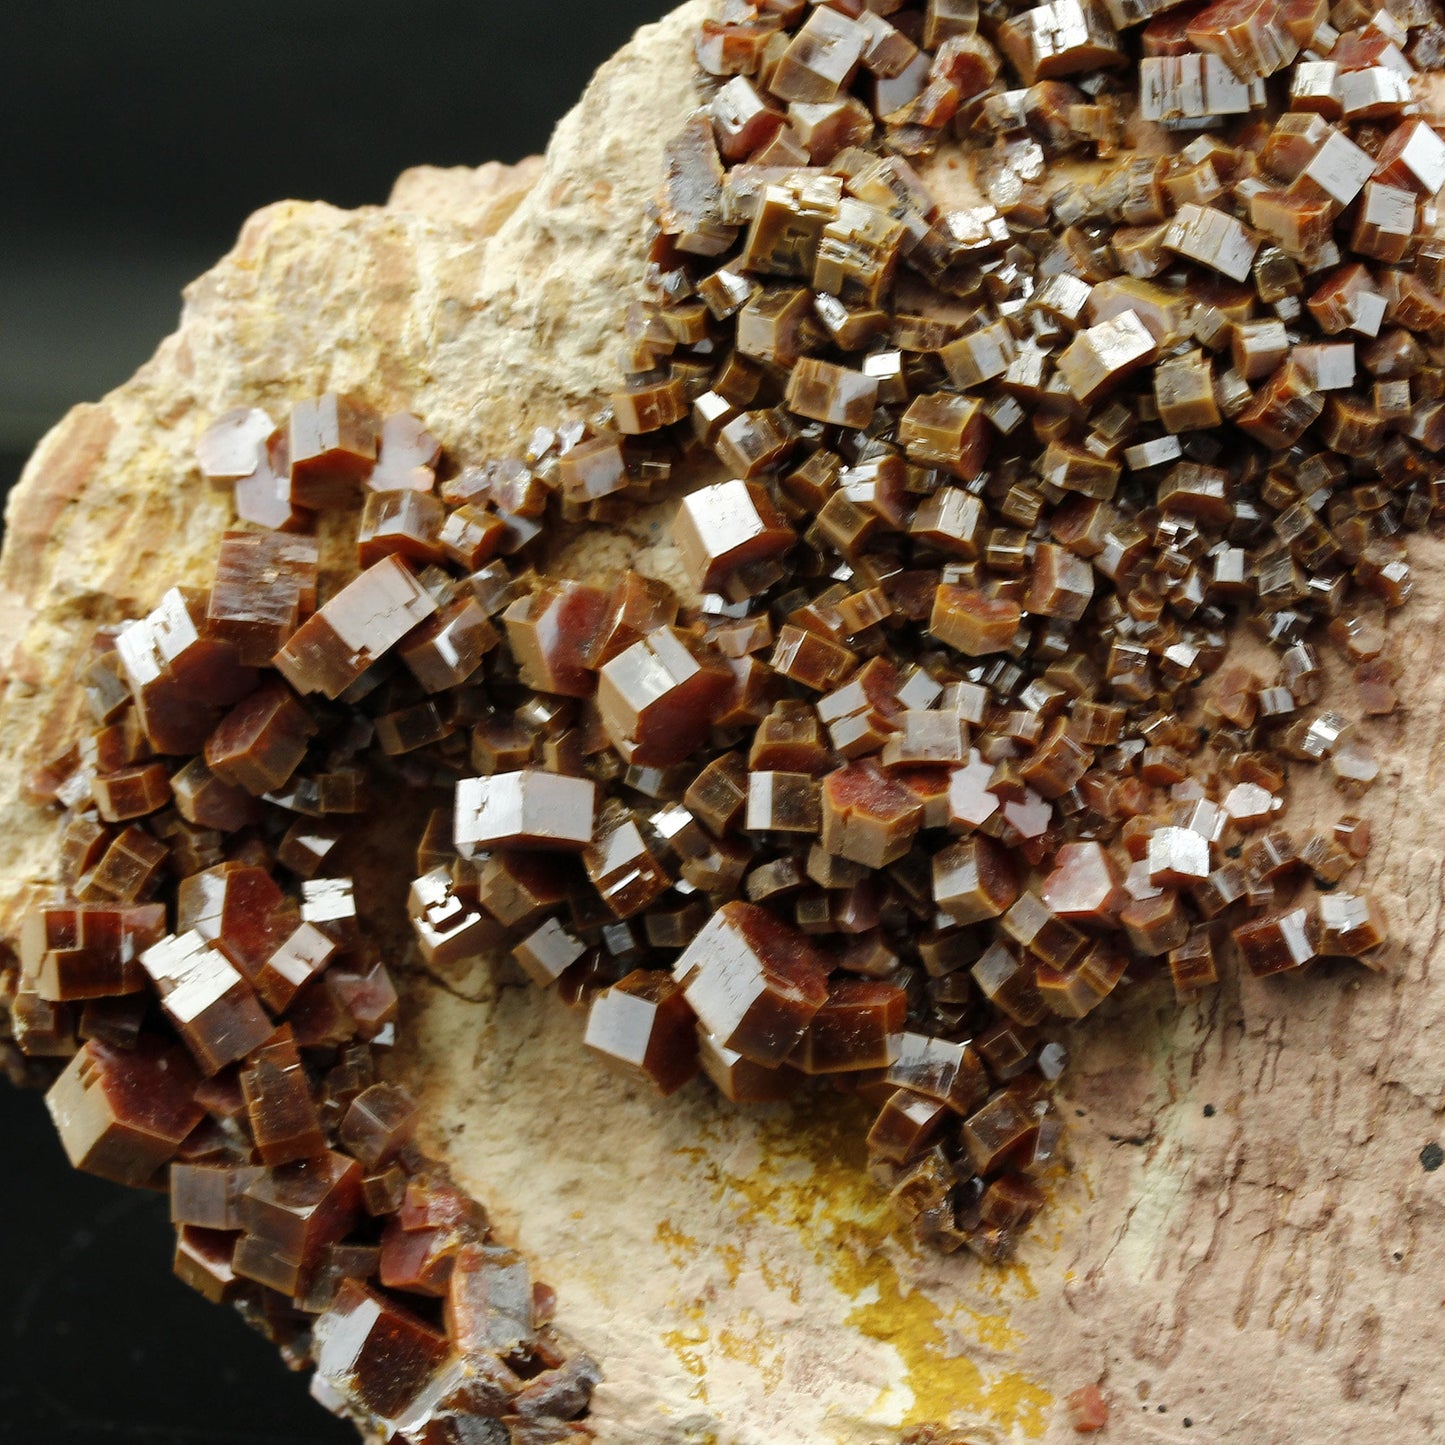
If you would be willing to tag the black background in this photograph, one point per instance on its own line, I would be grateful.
(134, 139)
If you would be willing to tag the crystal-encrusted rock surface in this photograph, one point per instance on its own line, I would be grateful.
(1249, 1241)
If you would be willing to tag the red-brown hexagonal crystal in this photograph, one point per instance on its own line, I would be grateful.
(808, 657)
(907, 1125)
(780, 802)
(370, 615)
(447, 649)
(622, 866)
(418, 1261)
(471, 536)
(261, 741)
(868, 816)
(657, 698)
(208, 801)
(1003, 1126)
(553, 633)
(265, 583)
(450, 932)
(548, 952)
(293, 964)
(974, 879)
(949, 1072)
(593, 469)
(728, 525)
(292, 1214)
(263, 496)
(1008, 982)
(406, 456)
(754, 981)
(238, 908)
(835, 395)
(211, 1005)
(489, 1302)
(948, 431)
(378, 1124)
(180, 677)
(209, 1195)
(1279, 942)
(821, 58)
(332, 447)
(282, 1111)
(128, 870)
(518, 889)
(1156, 924)
(1192, 965)
(1352, 924)
(973, 622)
(636, 606)
(740, 1079)
(1085, 885)
(131, 792)
(231, 446)
(406, 522)
(123, 1113)
(645, 1024)
(856, 1028)
(373, 1353)
(88, 950)
(1077, 989)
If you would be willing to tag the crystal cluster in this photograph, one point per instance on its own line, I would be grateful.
(945, 747)
(204, 976)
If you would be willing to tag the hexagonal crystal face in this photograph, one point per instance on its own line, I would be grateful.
(725, 526)
(527, 809)
(754, 982)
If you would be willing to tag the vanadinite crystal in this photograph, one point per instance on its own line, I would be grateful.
(936, 744)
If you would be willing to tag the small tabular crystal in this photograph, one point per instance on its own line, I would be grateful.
(528, 809)
(727, 526)
(1212, 238)
(361, 623)
(754, 982)
(644, 1024)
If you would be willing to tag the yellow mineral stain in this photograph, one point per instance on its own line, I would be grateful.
(680, 1247)
(993, 1330)
(1011, 1281)
(942, 1381)
(832, 1203)
(785, 1281)
(733, 1260)
(689, 1344)
(750, 1342)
